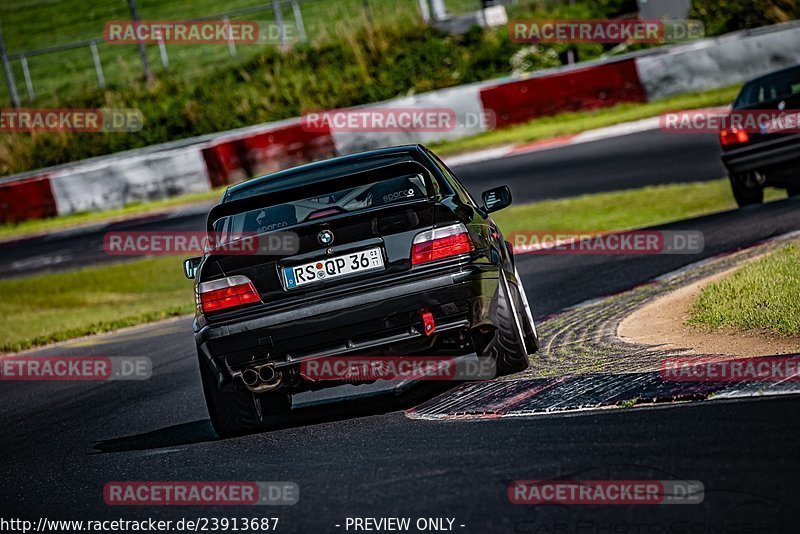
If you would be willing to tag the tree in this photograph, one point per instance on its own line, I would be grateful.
(723, 16)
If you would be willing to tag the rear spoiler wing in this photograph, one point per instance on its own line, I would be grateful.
(394, 170)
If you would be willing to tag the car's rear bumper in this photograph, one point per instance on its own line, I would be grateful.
(777, 157)
(382, 319)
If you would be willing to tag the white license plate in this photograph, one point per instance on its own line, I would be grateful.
(333, 267)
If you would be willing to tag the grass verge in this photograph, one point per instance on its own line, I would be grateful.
(52, 307)
(573, 123)
(36, 226)
(622, 210)
(762, 295)
(46, 308)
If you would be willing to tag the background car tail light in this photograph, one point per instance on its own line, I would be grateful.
(226, 293)
(733, 136)
(441, 243)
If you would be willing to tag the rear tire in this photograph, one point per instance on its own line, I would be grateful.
(508, 346)
(529, 326)
(744, 195)
(238, 412)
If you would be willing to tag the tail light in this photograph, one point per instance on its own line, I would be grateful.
(441, 243)
(226, 293)
(733, 136)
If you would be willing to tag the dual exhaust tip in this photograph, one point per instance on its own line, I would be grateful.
(262, 378)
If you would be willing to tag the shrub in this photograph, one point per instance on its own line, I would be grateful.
(723, 16)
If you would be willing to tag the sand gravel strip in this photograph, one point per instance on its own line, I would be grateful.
(662, 323)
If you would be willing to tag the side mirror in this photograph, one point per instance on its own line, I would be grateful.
(190, 267)
(497, 198)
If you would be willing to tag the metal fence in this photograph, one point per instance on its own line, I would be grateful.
(73, 57)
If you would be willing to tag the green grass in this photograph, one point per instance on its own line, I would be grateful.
(762, 295)
(36, 226)
(45, 308)
(572, 123)
(622, 210)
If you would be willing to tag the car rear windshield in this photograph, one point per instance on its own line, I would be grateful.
(346, 200)
(782, 84)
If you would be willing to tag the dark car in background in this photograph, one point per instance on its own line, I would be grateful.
(393, 258)
(768, 156)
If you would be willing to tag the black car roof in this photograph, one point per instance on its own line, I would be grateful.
(746, 100)
(773, 73)
(329, 168)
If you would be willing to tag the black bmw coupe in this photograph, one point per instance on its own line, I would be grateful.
(390, 257)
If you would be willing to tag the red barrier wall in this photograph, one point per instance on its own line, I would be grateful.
(579, 89)
(29, 198)
(233, 160)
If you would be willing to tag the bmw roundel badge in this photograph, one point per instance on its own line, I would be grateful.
(325, 237)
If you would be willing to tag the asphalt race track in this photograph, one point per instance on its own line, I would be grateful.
(62, 442)
(626, 162)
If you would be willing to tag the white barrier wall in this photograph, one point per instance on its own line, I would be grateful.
(114, 183)
(713, 63)
(464, 100)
